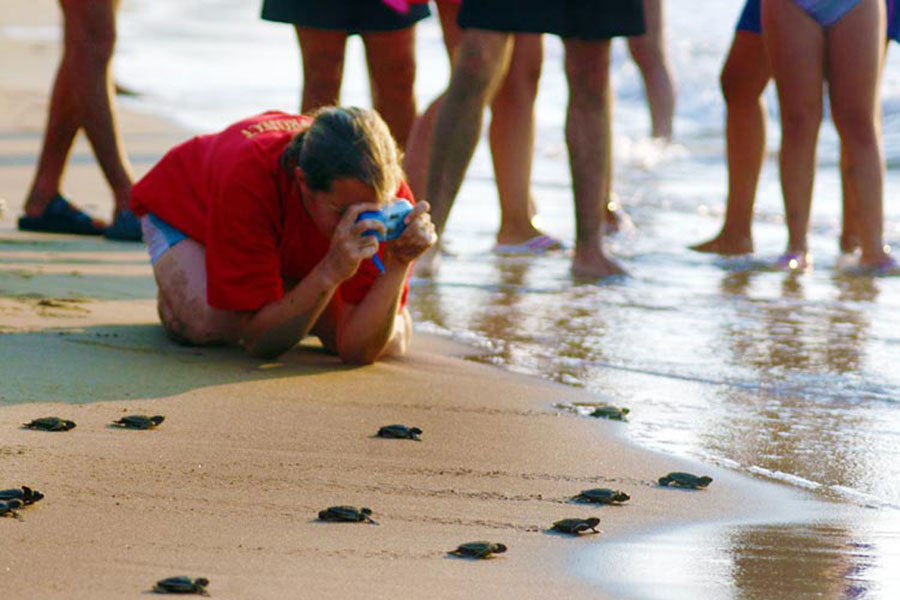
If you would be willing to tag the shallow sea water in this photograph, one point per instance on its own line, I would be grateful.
(788, 377)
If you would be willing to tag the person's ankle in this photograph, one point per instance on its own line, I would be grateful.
(517, 235)
(38, 200)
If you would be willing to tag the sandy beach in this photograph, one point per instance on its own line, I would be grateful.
(229, 485)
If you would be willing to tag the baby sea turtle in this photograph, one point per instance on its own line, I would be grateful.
(50, 424)
(181, 585)
(613, 413)
(347, 514)
(577, 526)
(685, 480)
(139, 421)
(400, 432)
(25, 494)
(602, 496)
(478, 549)
(8, 508)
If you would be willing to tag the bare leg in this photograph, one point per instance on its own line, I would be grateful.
(418, 147)
(322, 52)
(744, 77)
(850, 234)
(479, 65)
(854, 62)
(511, 131)
(83, 96)
(512, 139)
(796, 46)
(481, 62)
(392, 72)
(589, 138)
(849, 240)
(183, 309)
(649, 52)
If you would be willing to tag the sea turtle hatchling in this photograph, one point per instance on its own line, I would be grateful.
(347, 514)
(577, 526)
(50, 424)
(8, 508)
(182, 585)
(400, 432)
(478, 549)
(602, 496)
(613, 413)
(139, 421)
(25, 494)
(685, 480)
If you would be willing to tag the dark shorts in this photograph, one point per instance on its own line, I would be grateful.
(577, 19)
(750, 19)
(352, 16)
(893, 20)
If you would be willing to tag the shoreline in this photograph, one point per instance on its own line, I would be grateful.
(228, 487)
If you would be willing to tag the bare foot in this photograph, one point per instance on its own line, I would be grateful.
(511, 236)
(881, 262)
(594, 264)
(532, 243)
(726, 244)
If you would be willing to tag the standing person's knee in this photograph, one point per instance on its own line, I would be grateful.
(522, 80)
(94, 50)
(395, 81)
(646, 54)
(588, 84)
(479, 63)
(90, 31)
(587, 71)
(733, 85)
(803, 119)
(856, 127)
(322, 69)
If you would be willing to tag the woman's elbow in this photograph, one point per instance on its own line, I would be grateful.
(263, 352)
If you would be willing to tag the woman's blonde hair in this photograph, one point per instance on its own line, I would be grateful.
(346, 142)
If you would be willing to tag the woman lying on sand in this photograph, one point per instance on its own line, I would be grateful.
(254, 238)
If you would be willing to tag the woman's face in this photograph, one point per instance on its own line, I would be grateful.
(327, 208)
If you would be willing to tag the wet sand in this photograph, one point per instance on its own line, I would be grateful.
(229, 485)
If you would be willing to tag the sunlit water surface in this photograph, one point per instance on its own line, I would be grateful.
(790, 377)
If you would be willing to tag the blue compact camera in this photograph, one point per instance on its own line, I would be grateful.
(392, 216)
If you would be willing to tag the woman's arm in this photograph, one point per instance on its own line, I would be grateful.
(364, 331)
(279, 325)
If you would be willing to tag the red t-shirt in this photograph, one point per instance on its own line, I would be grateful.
(227, 191)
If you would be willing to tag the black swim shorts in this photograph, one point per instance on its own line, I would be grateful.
(578, 19)
(352, 16)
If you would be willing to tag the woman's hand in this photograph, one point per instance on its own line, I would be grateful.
(348, 245)
(418, 236)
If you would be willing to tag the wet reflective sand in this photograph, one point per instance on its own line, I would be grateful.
(835, 560)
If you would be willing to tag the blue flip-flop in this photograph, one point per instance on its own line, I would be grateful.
(126, 228)
(61, 216)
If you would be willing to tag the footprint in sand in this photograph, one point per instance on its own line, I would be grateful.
(61, 307)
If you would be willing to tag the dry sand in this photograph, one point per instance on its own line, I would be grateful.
(229, 486)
